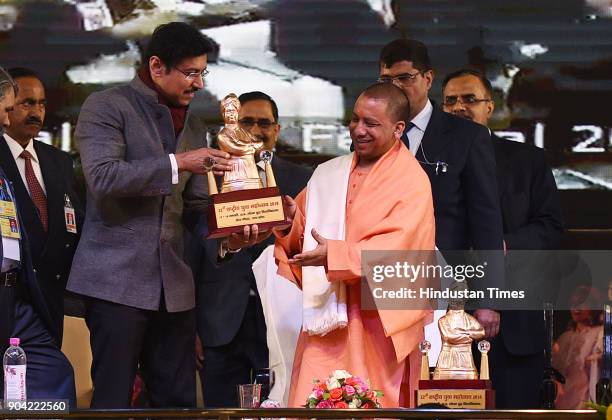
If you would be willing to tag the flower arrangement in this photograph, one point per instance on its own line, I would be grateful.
(604, 411)
(343, 390)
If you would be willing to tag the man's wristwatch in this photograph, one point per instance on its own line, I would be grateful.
(224, 249)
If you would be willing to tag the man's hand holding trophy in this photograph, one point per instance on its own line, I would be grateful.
(244, 209)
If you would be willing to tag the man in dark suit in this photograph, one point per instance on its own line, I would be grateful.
(458, 158)
(42, 179)
(24, 309)
(231, 323)
(532, 221)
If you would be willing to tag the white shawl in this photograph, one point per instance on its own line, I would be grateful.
(324, 302)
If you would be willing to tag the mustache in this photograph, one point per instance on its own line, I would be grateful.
(33, 120)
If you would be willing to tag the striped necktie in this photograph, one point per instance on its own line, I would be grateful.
(36, 192)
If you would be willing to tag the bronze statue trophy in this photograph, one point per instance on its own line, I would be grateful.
(458, 329)
(456, 383)
(243, 200)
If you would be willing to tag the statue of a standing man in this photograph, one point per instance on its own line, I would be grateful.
(242, 146)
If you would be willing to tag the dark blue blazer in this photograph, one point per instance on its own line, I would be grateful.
(51, 252)
(223, 289)
(28, 286)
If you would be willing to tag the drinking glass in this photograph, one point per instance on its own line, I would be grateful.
(249, 395)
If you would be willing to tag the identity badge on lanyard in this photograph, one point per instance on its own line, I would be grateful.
(8, 215)
(69, 216)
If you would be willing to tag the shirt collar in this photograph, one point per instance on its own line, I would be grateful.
(421, 120)
(16, 148)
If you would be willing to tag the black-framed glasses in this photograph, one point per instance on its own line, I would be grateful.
(402, 79)
(263, 123)
(191, 75)
(464, 99)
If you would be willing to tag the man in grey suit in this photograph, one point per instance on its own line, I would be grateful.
(143, 155)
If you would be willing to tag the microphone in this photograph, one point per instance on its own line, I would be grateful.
(441, 167)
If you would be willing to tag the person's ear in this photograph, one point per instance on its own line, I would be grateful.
(400, 126)
(156, 67)
(490, 108)
(429, 77)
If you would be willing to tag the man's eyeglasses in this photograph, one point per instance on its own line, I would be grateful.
(402, 79)
(263, 123)
(464, 99)
(192, 75)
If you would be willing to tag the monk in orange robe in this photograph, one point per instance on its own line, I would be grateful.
(377, 198)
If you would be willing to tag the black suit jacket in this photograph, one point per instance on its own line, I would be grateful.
(223, 290)
(466, 204)
(532, 221)
(465, 197)
(29, 288)
(51, 252)
(528, 196)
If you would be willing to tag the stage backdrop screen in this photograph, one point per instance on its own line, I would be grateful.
(550, 63)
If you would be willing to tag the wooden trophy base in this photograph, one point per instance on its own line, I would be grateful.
(455, 393)
(229, 212)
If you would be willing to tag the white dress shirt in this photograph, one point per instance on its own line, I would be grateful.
(175, 173)
(420, 122)
(16, 150)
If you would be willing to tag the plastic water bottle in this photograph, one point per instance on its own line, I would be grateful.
(14, 365)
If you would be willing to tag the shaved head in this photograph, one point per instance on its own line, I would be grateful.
(378, 121)
(398, 106)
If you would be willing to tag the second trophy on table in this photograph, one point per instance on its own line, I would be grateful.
(456, 382)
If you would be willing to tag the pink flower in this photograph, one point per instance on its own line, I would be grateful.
(325, 404)
(350, 391)
(341, 390)
(364, 386)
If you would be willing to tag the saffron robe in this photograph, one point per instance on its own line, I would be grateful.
(388, 207)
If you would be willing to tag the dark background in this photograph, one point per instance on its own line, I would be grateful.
(567, 86)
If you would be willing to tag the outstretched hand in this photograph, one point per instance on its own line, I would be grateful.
(317, 257)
